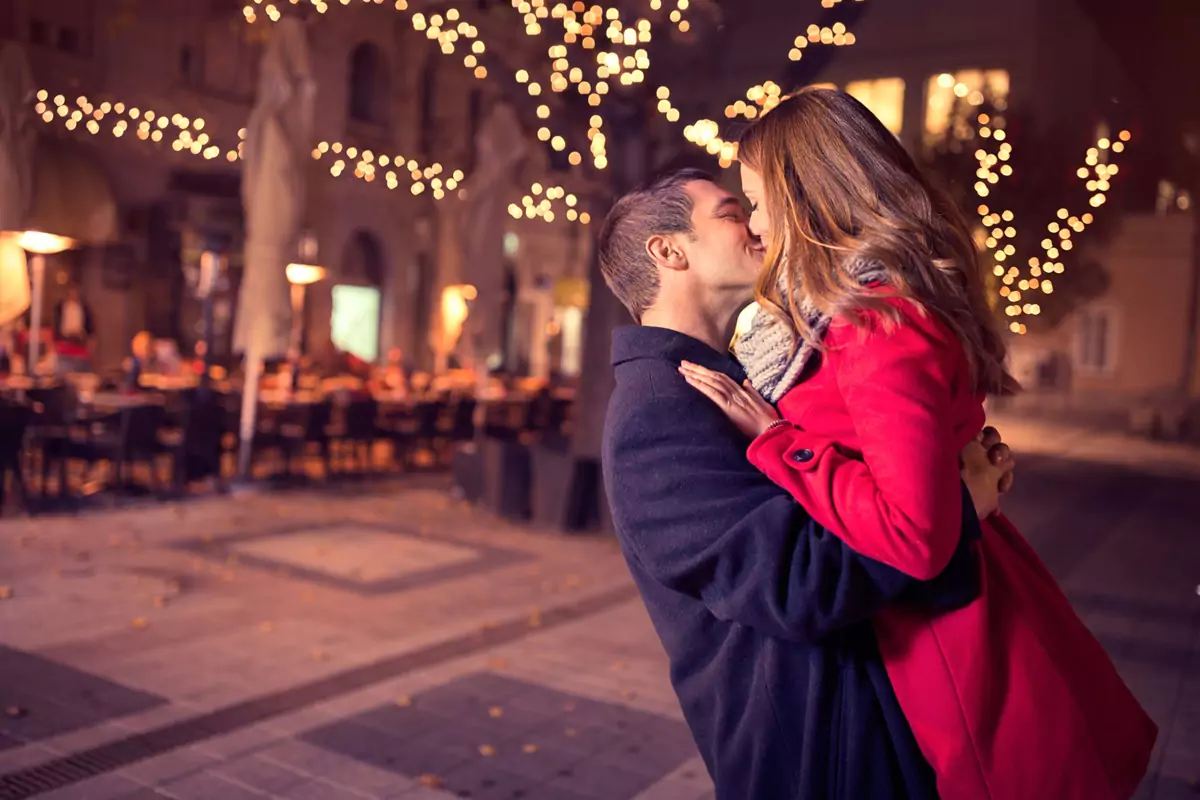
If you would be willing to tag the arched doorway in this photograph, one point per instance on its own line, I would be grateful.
(358, 298)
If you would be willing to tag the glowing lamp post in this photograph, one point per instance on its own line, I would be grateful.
(39, 245)
(300, 276)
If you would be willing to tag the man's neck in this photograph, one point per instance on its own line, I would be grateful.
(713, 327)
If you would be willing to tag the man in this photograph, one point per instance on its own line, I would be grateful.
(764, 615)
(73, 331)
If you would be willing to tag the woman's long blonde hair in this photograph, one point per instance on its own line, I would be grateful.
(841, 190)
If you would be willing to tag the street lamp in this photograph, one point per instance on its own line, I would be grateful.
(39, 244)
(300, 276)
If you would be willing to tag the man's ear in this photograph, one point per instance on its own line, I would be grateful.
(666, 253)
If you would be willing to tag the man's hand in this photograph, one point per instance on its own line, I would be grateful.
(987, 470)
(1000, 455)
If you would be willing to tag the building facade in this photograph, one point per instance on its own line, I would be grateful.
(390, 252)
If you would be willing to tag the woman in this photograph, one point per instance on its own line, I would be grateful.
(873, 297)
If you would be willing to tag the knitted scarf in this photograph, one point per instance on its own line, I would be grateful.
(771, 355)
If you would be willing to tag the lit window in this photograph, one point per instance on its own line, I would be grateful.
(354, 326)
(884, 97)
(951, 97)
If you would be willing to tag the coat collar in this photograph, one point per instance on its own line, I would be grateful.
(636, 342)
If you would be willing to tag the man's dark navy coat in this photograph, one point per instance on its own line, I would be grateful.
(764, 614)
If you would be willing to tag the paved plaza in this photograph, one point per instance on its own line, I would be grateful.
(388, 641)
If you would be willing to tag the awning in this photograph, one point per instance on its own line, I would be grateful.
(71, 194)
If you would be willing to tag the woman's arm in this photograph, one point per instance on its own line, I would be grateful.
(901, 503)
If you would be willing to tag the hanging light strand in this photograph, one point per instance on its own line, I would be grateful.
(1019, 284)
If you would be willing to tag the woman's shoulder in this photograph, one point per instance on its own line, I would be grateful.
(888, 317)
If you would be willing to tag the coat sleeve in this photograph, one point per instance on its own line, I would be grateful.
(902, 501)
(694, 515)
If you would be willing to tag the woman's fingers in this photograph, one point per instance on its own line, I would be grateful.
(715, 379)
(708, 390)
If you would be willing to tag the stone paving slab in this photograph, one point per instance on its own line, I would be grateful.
(153, 601)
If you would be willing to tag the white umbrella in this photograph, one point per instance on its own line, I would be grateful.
(500, 146)
(276, 150)
(18, 139)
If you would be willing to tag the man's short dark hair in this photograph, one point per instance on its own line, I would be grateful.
(662, 207)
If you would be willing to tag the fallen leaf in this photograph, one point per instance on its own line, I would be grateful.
(16, 712)
(6, 592)
(487, 626)
(535, 617)
(229, 576)
(206, 538)
(404, 701)
(174, 585)
(486, 750)
(140, 623)
(628, 694)
(266, 627)
(320, 655)
(495, 712)
(160, 602)
(497, 663)
(430, 781)
(529, 749)
(619, 666)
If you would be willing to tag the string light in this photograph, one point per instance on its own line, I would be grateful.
(549, 204)
(1059, 239)
(760, 99)
(188, 135)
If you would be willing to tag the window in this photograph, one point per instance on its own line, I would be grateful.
(39, 32)
(68, 40)
(884, 97)
(354, 326)
(1096, 340)
(368, 85)
(429, 105)
(186, 63)
(950, 98)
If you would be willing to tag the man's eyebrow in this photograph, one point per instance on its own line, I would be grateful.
(726, 204)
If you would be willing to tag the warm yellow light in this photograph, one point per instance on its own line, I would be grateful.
(46, 244)
(303, 274)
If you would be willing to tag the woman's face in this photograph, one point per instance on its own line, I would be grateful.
(760, 220)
